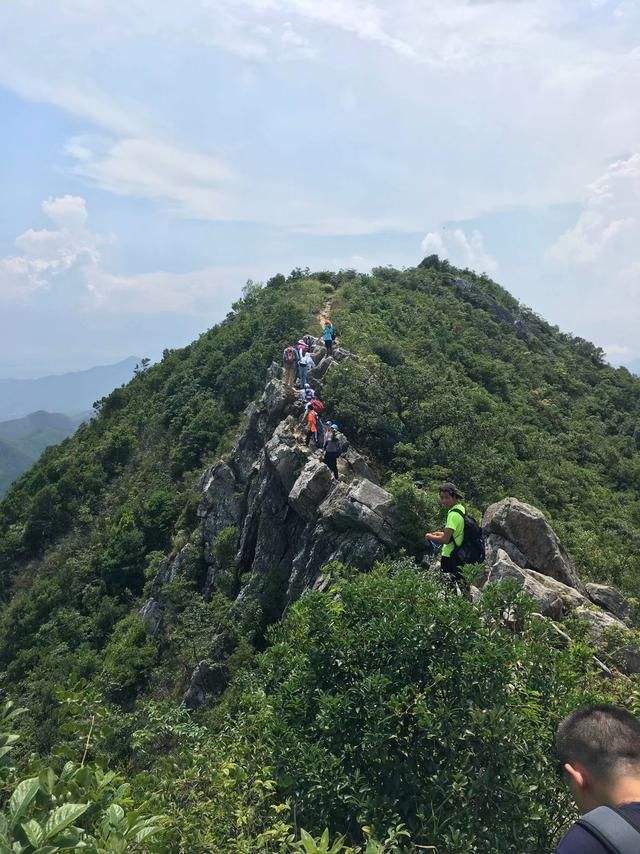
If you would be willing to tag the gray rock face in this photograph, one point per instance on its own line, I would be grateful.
(286, 454)
(610, 599)
(359, 465)
(207, 680)
(527, 529)
(221, 504)
(493, 542)
(625, 651)
(171, 568)
(310, 489)
(598, 621)
(548, 601)
(569, 596)
(362, 505)
(151, 616)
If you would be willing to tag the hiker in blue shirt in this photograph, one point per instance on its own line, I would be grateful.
(328, 336)
(599, 753)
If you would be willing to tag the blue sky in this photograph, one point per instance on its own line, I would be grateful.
(155, 155)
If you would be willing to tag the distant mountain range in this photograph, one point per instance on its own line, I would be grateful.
(62, 393)
(22, 440)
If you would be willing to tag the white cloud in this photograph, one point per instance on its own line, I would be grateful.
(71, 256)
(461, 250)
(198, 292)
(47, 254)
(193, 182)
(608, 229)
(602, 252)
(296, 44)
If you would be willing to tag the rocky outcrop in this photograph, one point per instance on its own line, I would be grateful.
(526, 528)
(522, 547)
(286, 519)
(291, 517)
(548, 602)
(151, 616)
(610, 599)
(207, 680)
(310, 489)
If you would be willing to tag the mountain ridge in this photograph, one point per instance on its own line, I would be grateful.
(450, 382)
(70, 393)
(22, 440)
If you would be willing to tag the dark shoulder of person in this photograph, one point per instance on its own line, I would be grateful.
(578, 840)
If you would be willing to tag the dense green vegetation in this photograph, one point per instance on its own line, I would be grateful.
(383, 708)
(22, 440)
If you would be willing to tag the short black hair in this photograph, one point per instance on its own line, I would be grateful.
(605, 739)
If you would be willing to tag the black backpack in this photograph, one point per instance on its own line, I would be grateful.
(471, 550)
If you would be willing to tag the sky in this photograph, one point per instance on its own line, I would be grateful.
(154, 156)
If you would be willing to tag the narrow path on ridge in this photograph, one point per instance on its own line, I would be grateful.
(324, 314)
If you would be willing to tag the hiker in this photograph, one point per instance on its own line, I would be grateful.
(328, 336)
(453, 534)
(305, 364)
(307, 393)
(332, 449)
(290, 362)
(599, 752)
(312, 427)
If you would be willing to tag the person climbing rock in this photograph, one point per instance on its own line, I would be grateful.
(332, 449)
(290, 363)
(328, 336)
(453, 534)
(305, 364)
(307, 393)
(312, 427)
(598, 749)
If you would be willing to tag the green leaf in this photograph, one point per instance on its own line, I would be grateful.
(21, 798)
(146, 832)
(62, 817)
(47, 780)
(33, 832)
(114, 814)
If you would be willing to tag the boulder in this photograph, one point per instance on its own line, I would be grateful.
(548, 601)
(207, 679)
(362, 505)
(221, 504)
(570, 597)
(624, 652)
(322, 367)
(359, 466)
(493, 542)
(340, 354)
(151, 616)
(610, 599)
(598, 622)
(310, 489)
(320, 544)
(286, 454)
(527, 529)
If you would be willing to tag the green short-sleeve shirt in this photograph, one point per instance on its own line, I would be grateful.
(456, 522)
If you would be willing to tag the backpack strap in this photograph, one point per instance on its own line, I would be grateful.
(453, 539)
(612, 829)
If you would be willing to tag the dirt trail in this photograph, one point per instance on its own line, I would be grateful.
(324, 314)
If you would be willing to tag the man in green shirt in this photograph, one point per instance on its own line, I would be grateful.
(453, 534)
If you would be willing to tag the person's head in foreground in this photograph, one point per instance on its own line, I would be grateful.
(599, 749)
(449, 494)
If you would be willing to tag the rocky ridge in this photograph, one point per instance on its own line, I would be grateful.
(288, 518)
